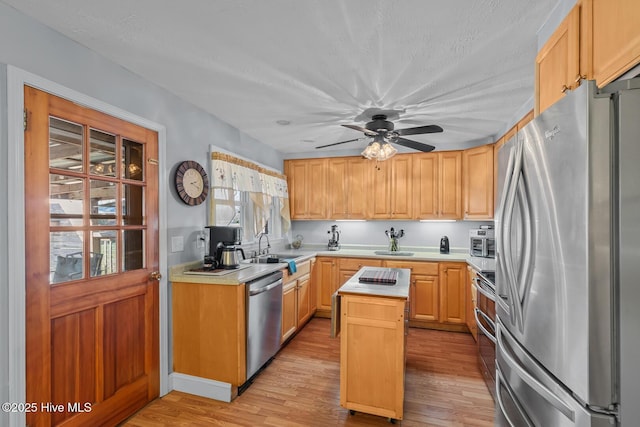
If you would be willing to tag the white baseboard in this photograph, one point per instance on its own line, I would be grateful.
(202, 387)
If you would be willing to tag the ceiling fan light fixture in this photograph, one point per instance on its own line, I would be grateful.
(377, 151)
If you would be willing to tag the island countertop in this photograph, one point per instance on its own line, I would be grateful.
(399, 290)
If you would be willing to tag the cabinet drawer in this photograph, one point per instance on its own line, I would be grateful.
(356, 264)
(420, 268)
(301, 269)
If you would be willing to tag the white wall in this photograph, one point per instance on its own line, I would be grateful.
(372, 232)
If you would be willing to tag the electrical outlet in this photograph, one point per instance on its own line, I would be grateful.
(200, 240)
(177, 244)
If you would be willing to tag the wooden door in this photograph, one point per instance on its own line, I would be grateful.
(425, 178)
(453, 296)
(424, 302)
(316, 189)
(450, 185)
(289, 310)
(379, 205)
(296, 181)
(558, 62)
(338, 182)
(401, 187)
(327, 281)
(303, 300)
(478, 182)
(616, 38)
(358, 184)
(91, 197)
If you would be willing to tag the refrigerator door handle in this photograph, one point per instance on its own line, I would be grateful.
(484, 330)
(501, 383)
(536, 385)
(526, 265)
(500, 235)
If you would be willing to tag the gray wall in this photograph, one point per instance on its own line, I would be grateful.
(37, 49)
(371, 233)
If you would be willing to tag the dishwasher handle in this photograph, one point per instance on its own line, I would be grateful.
(265, 288)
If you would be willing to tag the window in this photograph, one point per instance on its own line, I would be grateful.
(235, 208)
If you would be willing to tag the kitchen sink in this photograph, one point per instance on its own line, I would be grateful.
(394, 253)
(265, 259)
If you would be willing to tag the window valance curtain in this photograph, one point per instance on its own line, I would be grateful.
(236, 174)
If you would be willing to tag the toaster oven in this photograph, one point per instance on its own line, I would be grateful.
(482, 243)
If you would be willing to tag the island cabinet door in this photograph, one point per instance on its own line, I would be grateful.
(372, 355)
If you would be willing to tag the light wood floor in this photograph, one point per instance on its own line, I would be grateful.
(301, 387)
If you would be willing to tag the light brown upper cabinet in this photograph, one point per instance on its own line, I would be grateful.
(615, 28)
(438, 185)
(558, 62)
(478, 182)
(307, 181)
(349, 183)
(391, 194)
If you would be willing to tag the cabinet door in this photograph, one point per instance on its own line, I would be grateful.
(450, 185)
(401, 189)
(478, 182)
(471, 303)
(316, 188)
(616, 38)
(289, 312)
(424, 302)
(338, 181)
(558, 62)
(296, 180)
(453, 295)
(425, 179)
(303, 300)
(327, 283)
(359, 185)
(379, 205)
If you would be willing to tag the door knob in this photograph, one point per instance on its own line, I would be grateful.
(155, 275)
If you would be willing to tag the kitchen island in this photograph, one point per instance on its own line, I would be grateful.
(373, 319)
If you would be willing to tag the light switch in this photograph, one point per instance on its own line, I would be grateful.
(177, 244)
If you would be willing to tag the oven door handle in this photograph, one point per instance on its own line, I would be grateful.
(481, 289)
(484, 330)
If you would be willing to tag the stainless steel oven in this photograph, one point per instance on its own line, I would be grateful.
(482, 243)
(485, 313)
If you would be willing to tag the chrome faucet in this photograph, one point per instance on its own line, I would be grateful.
(264, 233)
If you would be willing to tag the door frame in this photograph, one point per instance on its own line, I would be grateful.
(16, 80)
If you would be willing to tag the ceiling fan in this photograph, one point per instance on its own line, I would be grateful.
(382, 130)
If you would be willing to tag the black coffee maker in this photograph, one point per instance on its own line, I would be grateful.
(444, 245)
(222, 250)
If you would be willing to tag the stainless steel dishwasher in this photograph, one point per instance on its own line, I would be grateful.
(264, 320)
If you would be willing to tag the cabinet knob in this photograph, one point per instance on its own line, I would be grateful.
(580, 77)
(564, 88)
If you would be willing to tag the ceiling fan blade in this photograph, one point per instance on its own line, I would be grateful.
(361, 129)
(414, 144)
(338, 143)
(418, 130)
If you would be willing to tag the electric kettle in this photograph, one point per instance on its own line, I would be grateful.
(444, 245)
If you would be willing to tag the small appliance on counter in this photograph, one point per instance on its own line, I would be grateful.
(222, 251)
(334, 241)
(482, 242)
(444, 245)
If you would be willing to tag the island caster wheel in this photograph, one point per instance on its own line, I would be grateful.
(392, 421)
(352, 412)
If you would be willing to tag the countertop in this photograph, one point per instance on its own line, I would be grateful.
(177, 273)
(399, 290)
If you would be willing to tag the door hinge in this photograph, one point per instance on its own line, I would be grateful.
(24, 119)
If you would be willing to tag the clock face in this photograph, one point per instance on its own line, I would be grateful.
(192, 183)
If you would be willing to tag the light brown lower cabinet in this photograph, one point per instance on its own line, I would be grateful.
(372, 355)
(471, 303)
(289, 310)
(298, 298)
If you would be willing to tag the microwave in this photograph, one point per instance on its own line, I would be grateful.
(482, 243)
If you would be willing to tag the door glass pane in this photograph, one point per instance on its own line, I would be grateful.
(65, 200)
(103, 202)
(132, 164)
(104, 252)
(133, 253)
(65, 145)
(102, 154)
(132, 199)
(66, 260)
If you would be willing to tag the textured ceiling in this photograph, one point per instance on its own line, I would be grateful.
(466, 65)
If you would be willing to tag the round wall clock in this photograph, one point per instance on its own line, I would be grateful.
(192, 182)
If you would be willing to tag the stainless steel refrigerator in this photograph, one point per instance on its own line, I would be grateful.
(568, 264)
